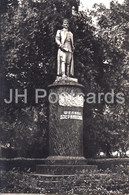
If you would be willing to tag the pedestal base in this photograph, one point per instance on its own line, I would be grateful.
(64, 165)
(65, 160)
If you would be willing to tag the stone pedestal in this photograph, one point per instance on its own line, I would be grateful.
(66, 118)
(66, 101)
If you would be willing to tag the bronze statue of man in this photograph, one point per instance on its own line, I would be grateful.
(64, 40)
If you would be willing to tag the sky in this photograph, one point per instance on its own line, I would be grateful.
(89, 3)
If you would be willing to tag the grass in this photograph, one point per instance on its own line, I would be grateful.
(104, 182)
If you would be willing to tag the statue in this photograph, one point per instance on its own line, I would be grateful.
(64, 40)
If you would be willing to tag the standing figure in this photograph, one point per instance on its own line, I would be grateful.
(64, 40)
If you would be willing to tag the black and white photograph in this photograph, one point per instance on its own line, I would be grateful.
(64, 97)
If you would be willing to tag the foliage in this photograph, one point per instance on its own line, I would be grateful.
(110, 122)
(14, 181)
(27, 29)
(27, 131)
(88, 182)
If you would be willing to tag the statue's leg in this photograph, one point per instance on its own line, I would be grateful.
(69, 57)
(63, 68)
(63, 63)
(68, 70)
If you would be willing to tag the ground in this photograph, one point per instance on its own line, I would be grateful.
(99, 181)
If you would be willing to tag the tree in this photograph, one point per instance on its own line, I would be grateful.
(29, 62)
(111, 132)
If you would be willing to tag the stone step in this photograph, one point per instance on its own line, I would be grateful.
(63, 160)
(45, 177)
(64, 181)
(83, 179)
(60, 183)
(49, 176)
(63, 169)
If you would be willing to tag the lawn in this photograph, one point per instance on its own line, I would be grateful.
(99, 181)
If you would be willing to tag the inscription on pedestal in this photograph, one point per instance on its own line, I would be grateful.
(71, 115)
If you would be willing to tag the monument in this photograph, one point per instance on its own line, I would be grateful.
(65, 113)
(64, 40)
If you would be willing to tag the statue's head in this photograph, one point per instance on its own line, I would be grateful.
(65, 23)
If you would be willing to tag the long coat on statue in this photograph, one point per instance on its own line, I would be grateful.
(60, 40)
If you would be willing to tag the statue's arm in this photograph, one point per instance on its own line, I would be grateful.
(58, 38)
